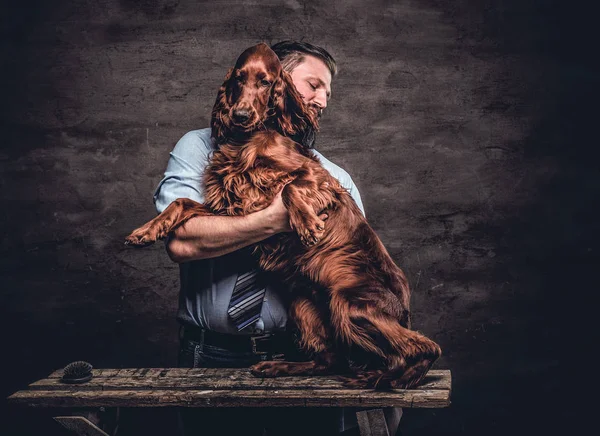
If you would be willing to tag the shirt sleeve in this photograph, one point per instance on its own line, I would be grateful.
(185, 171)
(343, 177)
(353, 190)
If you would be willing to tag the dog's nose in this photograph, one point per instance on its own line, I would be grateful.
(241, 115)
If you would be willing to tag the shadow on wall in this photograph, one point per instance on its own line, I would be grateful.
(511, 353)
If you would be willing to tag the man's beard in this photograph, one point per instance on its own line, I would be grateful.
(308, 137)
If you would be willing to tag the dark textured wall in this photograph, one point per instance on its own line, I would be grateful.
(467, 126)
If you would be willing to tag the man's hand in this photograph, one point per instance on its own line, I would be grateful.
(277, 215)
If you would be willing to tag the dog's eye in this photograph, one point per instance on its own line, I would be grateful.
(265, 83)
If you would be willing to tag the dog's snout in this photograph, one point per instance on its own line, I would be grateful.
(241, 115)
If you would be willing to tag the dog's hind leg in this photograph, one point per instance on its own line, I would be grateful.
(418, 351)
(313, 339)
(309, 322)
(413, 375)
(177, 213)
(407, 354)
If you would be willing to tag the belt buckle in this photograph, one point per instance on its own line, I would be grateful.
(255, 344)
(278, 356)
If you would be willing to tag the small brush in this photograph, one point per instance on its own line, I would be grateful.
(77, 372)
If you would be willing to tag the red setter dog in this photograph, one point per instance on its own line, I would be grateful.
(350, 301)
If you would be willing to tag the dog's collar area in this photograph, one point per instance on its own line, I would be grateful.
(306, 138)
(235, 137)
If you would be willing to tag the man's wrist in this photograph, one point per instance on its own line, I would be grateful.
(264, 220)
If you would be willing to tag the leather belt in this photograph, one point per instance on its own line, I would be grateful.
(272, 344)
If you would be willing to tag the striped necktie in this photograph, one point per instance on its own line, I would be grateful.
(246, 300)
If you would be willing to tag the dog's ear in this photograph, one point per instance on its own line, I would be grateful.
(220, 114)
(291, 114)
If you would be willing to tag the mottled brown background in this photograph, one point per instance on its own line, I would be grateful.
(468, 126)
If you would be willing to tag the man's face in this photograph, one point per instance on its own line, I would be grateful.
(312, 79)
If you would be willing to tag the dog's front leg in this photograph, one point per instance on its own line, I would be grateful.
(297, 197)
(177, 213)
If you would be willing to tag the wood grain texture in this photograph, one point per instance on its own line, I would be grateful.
(166, 387)
(209, 378)
(372, 423)
(233, 398)
(79, 425)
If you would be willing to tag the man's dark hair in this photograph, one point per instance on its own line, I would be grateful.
(291, 54)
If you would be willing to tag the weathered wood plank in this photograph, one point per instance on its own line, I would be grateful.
(202, 379)
(79, 425)
(97, 373)
(372, 423)
(187, 372)
(364, 426)
(429, 399)
(130, 372)
(234, 398)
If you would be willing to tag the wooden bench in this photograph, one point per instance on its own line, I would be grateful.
(202, 387)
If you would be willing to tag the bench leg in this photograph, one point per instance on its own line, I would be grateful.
(393, 415)
(372, 423)
(379, 422)
(80, 425)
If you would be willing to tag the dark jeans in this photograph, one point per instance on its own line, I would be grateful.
(248, 421)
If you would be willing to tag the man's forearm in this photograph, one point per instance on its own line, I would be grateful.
(212, 236)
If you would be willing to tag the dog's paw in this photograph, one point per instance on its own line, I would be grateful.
(311, 231)
(139, 240)
(268, 368)
(148, 234)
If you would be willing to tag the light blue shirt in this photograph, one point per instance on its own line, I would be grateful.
(207, 285)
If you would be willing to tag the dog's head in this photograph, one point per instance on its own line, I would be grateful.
(258, 94)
